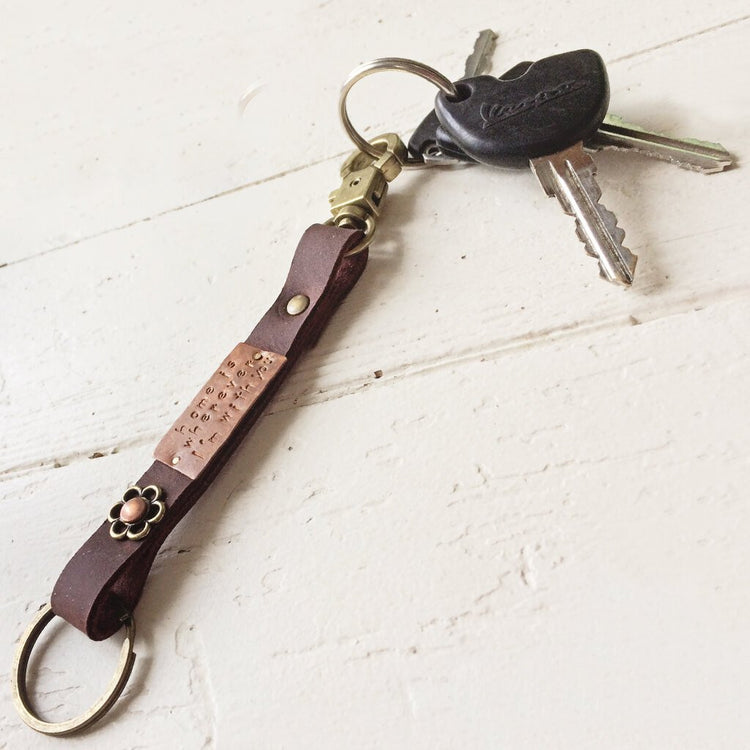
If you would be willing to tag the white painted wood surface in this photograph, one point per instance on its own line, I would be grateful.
(531, 531)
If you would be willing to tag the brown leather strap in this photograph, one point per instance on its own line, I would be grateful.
(104, 579)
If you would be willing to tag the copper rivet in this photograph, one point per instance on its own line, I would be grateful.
(133, 510)
(257, 356)
(175, 460)
(297, 304)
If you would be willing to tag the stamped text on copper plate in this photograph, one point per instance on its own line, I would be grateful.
(218, 408)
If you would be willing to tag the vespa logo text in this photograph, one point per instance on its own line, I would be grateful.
(492, 114)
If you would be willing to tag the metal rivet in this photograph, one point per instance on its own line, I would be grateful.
(297, 304)
(257, 356)
(175, 460)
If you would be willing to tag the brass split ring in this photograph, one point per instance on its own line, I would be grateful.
(93, 714)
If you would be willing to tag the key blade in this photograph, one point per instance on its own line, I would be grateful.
(699, 156)
(569, 175)
(480, 60)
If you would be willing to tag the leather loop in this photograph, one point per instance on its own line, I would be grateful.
(312, 273)
(105, 578)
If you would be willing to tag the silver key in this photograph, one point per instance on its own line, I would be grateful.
(569, 175)
(688, 153)
(479, 61)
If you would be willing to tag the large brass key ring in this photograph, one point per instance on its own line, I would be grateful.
(107, 700)
(392, 64)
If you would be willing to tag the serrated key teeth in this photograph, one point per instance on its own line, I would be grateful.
(570, 176)
(705, 157)
(581, 234)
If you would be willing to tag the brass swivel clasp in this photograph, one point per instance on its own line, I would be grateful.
(357, 202)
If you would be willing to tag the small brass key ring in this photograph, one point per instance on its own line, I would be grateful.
(390, 64)
(100, 707)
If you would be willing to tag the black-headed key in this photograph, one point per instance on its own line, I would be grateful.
(540, 114)
(422, 143)
(431, 143)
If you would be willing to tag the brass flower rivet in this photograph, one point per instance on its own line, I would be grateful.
(134, 515)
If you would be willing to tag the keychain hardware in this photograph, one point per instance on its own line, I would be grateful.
(356, 203)
(355, 206)
(368, 170)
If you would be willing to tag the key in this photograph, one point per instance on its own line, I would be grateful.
(688, 153)
(430, 141)
(477, 63)
(540, 114)
(569, 175)
(614, 133)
